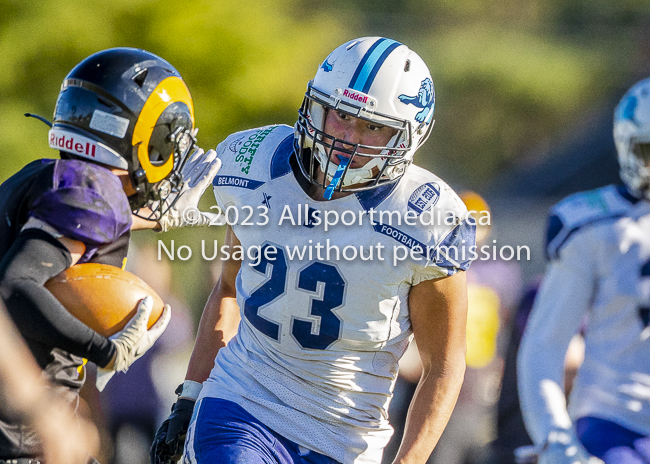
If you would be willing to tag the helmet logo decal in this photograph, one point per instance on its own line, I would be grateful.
(425, 99)
(371, 63)
(169, 90)
(109, 123)
(326, 66)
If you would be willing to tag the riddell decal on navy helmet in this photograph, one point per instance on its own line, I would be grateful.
(85, 147)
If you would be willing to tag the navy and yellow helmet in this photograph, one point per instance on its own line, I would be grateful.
(130, 109)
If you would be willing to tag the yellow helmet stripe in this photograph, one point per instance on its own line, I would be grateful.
(170, 90)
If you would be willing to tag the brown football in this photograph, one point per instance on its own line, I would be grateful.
(103, 297)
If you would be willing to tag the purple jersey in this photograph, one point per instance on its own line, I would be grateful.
(86, 203)
(82, 201)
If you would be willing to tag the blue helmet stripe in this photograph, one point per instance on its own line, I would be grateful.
(629, 108)
(375, 69)
(371, 63)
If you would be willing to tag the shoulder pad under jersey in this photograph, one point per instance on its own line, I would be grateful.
(251, 158)
(437, 218)
(580, 210)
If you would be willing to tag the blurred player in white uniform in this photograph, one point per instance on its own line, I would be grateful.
(598, 276)
(313, 340)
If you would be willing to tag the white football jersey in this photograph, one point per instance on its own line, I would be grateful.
(598, 277)
(315, 357)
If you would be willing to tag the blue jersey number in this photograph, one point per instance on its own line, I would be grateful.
(309, 334)
(306, 332)
(271, 289)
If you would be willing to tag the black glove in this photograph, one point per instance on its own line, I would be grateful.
(167, 446)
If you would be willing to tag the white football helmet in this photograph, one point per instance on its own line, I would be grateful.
(375, 79)
(632, 138)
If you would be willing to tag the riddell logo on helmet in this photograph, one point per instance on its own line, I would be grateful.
(353, 95)
(71, 145)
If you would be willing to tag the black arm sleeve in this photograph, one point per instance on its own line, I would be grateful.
(32, 260)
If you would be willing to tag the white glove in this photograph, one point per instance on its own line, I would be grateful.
(563, 447)
(198, 172)
(134, 340)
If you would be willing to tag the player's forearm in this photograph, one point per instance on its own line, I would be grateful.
(34, 258)
(540, 378)
(140, 223)
(42, 319)
(430, 410)
(218, 325)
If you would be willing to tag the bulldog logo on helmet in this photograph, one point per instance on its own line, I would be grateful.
(326, 66)
(425, 99)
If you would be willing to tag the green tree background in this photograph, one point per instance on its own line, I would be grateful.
(510, 75)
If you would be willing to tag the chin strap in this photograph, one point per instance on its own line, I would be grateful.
(329, 191)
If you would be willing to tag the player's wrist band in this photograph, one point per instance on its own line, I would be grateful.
(189, 390)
